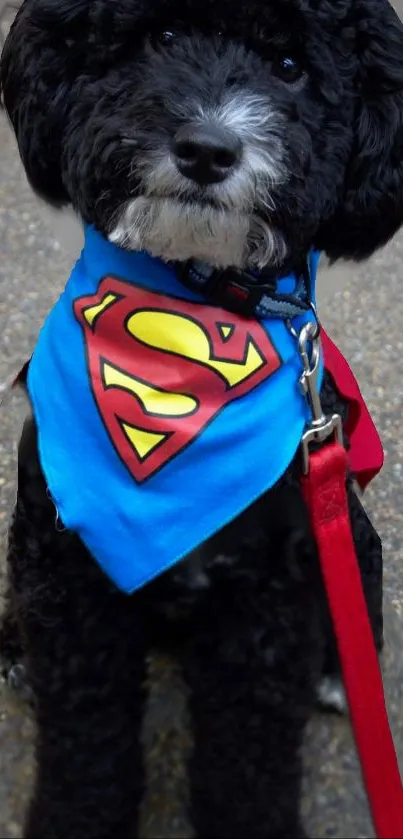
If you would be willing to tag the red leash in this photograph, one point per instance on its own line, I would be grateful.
(324, 489)
(325, 493)
(366, 452)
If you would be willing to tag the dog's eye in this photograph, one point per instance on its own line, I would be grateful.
(287, 68)
(166, 38)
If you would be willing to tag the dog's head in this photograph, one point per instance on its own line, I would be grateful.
(238, 133)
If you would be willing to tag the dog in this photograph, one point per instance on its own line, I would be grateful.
(243, 138)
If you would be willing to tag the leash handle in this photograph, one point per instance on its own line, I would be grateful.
(324, 489)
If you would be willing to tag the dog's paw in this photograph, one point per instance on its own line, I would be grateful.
(11, 648)
(17, 681)
(331, 695)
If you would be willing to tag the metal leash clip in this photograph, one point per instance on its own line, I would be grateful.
(321, 426)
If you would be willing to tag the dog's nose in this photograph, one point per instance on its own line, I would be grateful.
(206, 154)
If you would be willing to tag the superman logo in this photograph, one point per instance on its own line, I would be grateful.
(162, 368)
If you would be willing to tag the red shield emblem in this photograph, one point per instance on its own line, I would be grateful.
(161, 368)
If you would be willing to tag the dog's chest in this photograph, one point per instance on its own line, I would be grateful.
(171, 416)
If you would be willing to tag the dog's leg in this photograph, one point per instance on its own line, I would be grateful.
(85, 662)
(12, 665)
(251, 668)
(11, 646)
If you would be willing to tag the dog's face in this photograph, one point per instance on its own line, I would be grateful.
(234, 133)
(211, 144)
(229, 146)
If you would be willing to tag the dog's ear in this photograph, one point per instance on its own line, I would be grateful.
(372, 206)
(36, 75)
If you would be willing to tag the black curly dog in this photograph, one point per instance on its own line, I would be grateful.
(243, 134)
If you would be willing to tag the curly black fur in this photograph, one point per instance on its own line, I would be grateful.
(251, 643)
(96, 95)
(92, 92)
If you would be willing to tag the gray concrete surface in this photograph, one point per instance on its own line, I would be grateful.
(366, 320)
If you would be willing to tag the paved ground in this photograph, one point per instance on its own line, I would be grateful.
(366, 320)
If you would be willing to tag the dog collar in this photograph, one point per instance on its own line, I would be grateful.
(252, 294)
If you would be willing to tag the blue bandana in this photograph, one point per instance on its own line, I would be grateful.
(160, 418)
